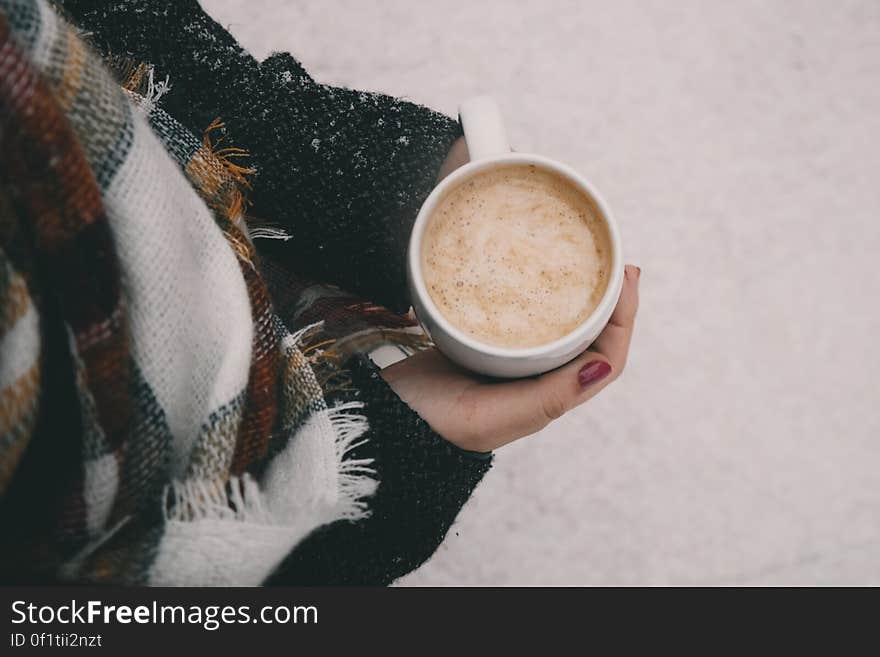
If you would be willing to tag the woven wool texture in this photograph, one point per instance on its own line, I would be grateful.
(367, 160)
(160, 419)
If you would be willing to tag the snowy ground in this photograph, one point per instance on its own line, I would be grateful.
(739, 144)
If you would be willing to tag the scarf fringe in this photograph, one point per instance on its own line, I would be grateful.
(241, 499)
(238, 499)
(268, 232)
(356, 481)
(142, 88)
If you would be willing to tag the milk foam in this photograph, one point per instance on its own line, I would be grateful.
(516, 257)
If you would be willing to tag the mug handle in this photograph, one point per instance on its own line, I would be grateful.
(483, 128)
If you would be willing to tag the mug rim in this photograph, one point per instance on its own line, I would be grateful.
(577, 334)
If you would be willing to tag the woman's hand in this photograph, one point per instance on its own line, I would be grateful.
(480, 414)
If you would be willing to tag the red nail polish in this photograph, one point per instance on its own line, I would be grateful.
(593, 372)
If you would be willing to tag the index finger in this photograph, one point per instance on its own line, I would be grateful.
(561, 390)
(613, 342)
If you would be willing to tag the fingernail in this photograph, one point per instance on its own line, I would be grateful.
(593, 373)
(638, 272)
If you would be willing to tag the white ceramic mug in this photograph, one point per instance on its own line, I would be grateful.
(488, 148)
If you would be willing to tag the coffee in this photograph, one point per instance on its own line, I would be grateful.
(516, 256)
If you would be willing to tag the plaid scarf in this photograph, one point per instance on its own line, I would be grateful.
(162, 419)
